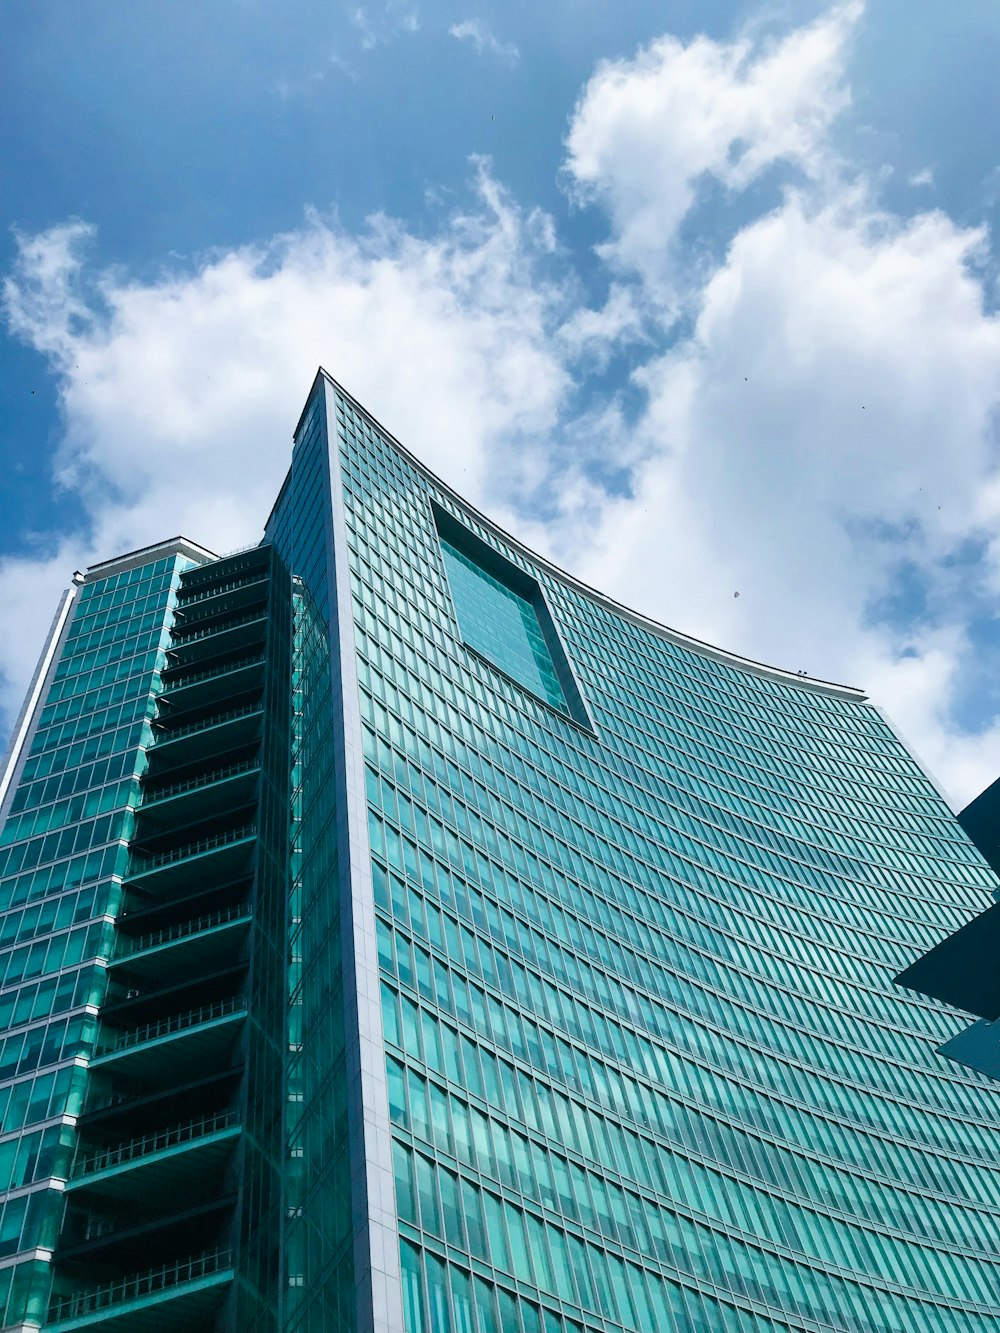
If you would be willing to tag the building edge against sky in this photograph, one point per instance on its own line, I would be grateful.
(533, 962)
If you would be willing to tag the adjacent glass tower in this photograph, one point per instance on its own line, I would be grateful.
(400, 936)
(963, 969)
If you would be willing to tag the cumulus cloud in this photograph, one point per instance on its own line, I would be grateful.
(830, 417)
(825, 425)
(648, 131)
(818, 433)
(483, 39)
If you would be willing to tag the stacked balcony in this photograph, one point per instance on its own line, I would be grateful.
(152, 1227)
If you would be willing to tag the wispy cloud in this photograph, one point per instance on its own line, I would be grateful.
(991, 188)
(922, 178)
(379, 26)
(308, 82)
(290, 86)
(343, 66)
(484, 40)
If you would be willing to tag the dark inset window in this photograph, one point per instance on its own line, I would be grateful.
(503, 618)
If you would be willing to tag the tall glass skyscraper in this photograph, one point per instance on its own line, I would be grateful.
(963, 969)
(399, 936)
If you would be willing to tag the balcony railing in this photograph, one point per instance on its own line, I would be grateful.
(104, 1159)
(127, 947)
(138, 1285)
(209, 672)
(197, 634)
(200, 780)
(146, 863)
(231, 555)
(165, 1027)
(214, 720)
(197, 578)
(192, 599)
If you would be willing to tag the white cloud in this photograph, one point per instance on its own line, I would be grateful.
(991, 188)
(831, 413)
(483, 39)
(840, 384)
(647, 131)
(919, 179)
(600, 332)
(825, 414)
(179, 395)
(306, 82)
(379, 26)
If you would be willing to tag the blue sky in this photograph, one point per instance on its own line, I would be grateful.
(697, 298)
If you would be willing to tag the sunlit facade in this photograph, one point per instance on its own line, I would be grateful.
(403, 937)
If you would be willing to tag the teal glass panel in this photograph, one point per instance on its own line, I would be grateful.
(502, 625)
(318, 1250)
(62, 852)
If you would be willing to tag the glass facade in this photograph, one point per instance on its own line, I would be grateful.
(501, 624)
(961, 969)
(147, 858)
(585, 957)
(645, 1065)
(63, 854)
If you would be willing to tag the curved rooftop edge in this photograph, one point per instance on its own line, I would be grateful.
(813, 684)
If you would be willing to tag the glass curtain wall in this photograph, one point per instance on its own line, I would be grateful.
(320, 1270)
(62, 856)
(646, 1067)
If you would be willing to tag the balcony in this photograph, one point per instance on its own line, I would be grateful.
(248, 560)
(173, 1160)
(119, 1111)
(172, 1298)
(185, 948)
(199, 797)
(224, 598)
(199, 689)
(204, 738)
(145, 915)
(181, 1046)
(98, 1232)
(234, 634)
(217, 858)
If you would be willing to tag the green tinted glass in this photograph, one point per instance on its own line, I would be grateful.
(502, 625)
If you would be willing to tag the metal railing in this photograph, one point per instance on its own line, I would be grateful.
(203, 577)
(137, 1285)
(127, 947)
(146, 863)
(214, 720)
(197, 676)
(261, 545)
(197, 634)
(164, 1027)
(193, 598)
(201, 780)
(103, 1159)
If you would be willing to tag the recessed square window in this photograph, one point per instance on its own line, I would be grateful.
(503, 617)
